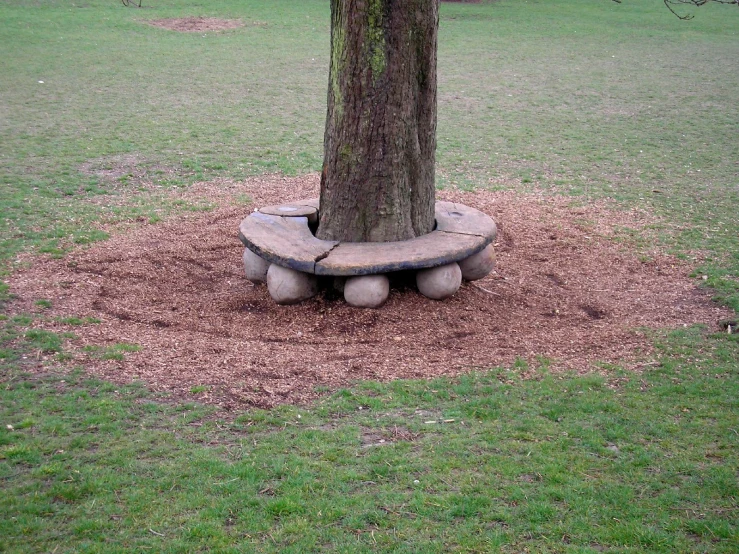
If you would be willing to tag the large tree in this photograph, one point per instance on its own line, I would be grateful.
(377, 183)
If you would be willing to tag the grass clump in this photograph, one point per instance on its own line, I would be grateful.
(112, 352)
(77, 321)
(46, 341)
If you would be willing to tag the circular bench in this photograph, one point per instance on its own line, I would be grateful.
(282, 235)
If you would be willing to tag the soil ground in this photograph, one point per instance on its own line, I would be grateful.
(196, 24)
(565, 294)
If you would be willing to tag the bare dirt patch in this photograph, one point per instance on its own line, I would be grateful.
(111, 169)
(562, 290)
(129, 170)
(386, 436)
(196, 24)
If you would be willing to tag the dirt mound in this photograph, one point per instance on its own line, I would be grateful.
(196, 24)
(562, 290)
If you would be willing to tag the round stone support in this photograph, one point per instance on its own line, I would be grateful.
(255, 267)
(440, 282)
(287, 286)
(366, 291)
(478, 265)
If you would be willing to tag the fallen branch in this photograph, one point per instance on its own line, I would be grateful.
(485, 290)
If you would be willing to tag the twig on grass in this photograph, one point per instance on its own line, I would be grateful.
(224, 482)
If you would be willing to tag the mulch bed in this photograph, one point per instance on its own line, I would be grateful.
(196, 24)
(561, 290)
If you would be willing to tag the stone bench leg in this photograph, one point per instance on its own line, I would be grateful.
(440, 282)
(255, 267)
(478, 265)
(366, 291)
(287, 286)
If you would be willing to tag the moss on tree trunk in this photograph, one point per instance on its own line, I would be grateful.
(377, 182)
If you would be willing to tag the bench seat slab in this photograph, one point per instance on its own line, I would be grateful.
(285, 241)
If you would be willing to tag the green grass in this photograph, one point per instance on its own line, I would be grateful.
(624, 462)
(589, 99)
(112, 352)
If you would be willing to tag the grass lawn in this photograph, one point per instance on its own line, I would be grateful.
(101, 114)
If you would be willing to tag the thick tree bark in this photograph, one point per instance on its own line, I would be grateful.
(377, 183)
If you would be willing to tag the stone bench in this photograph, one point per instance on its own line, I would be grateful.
(282, 235)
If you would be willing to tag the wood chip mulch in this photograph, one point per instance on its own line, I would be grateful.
(562, 289)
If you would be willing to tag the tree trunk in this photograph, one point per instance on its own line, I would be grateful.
(377, 183)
